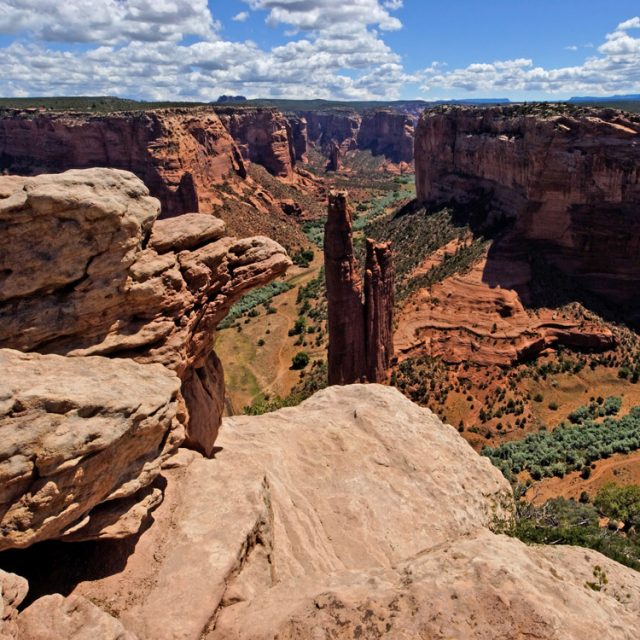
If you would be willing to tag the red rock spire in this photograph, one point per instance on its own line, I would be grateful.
(360, 324)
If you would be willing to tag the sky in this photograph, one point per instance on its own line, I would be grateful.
(331, 49)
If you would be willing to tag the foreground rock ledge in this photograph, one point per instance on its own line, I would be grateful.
(81, 442)
(86, 269)
(355, 515)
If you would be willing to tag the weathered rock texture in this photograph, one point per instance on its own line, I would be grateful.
(378, 309)
(487, 318)
(264, 136)
(73, 618)
(335, 157)
(382, 132)
(180, 154)
(85, 269)
(13, 590)
(299, 137)
(569, 179)
(355, 515)
(78, 433)
(360, 321)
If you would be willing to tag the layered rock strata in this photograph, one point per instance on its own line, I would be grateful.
(82, 441)
(360, 320)
(567, 178)
(355, 515)
(85, 269)
(299, 137)
(483, 314)
(383, 132)
(180, 154)
(264, 137)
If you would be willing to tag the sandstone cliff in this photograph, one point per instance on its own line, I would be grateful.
(178, 153)
(568, 179)
(383, 132)
(360, 321)
(355, 515)
(299, 135)
(264, 137)
(85, 269)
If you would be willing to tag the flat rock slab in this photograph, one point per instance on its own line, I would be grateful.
(78, 433)
(355, 479)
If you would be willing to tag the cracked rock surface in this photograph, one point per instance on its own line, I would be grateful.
(355, 515)
(86, 269)
(81, 438)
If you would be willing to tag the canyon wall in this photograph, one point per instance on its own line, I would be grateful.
(360, 320)
(264, 137)
(178, 153)
(567, 178)
(383, 132)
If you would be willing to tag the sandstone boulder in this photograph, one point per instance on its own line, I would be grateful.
(353, 482)
(355, 515)
(73, 618)
(13, 590)
(82, 440)
(85, 269)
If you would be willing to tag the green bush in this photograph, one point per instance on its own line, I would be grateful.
(620, 503)
(300, 360)
(567, 448)
(561, 521)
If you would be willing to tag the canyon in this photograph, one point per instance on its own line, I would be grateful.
(383, 132)
(130, 508)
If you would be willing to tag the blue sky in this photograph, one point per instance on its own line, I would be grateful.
(344, 49)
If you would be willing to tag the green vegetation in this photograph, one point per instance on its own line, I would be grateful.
(248, 303)
(311, 381)
(300, 360)
(621, 504)
(561, 521)
(417, 233)
(303, 257)
(569, 448)
(93, 104)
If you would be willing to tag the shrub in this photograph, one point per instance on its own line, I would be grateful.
(612, 405)
(300, 360)
(620, 503)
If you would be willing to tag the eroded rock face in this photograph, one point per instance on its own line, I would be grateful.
(265, 137)
(570, 182)
(77, 433)
(13, 590)
(344, 486)
(389, 134)
(299, 135)
(345, 312)
(378, 308)
(360, 320)
(85, 269)
(178, 153)
(73, 618)
(382, 132)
